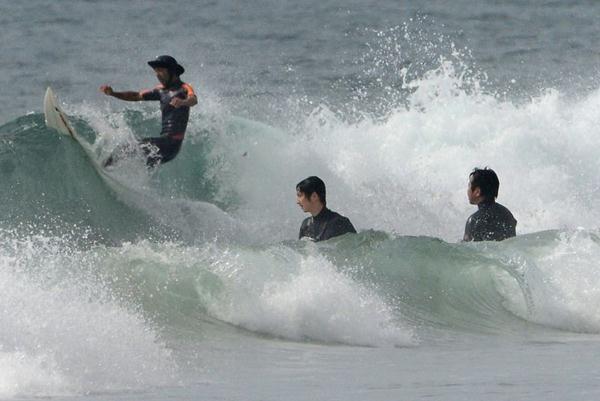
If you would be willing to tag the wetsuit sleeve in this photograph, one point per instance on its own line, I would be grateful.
(189, 91)
(347, 226)
(150, 94)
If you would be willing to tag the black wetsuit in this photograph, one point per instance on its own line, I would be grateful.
(492, 222)
(174, 123)
(327, 224)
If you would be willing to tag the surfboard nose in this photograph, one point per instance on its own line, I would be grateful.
(55, 117)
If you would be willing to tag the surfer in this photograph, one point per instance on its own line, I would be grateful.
(492, 222)
(323, 223)
(176, 97)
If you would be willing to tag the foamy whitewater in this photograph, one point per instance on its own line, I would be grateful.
(188, 282)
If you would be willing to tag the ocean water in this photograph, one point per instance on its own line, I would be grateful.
(188, 283)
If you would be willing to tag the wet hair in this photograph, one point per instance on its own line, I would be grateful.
(487, 181)
(310, 185)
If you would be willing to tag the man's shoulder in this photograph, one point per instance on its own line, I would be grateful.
(342, 221)
(503, 210)
(502, 207)
(336, 216)
(475, 216)
(189, 88)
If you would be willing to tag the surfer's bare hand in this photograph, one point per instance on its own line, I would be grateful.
(107, 90)
(177, 102)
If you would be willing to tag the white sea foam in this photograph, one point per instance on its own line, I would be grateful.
(273, 290)
(404, 172)
(284, 294)
(408, 172)
(134, 184)
(61, 333)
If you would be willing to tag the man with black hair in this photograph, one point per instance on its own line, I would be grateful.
(492, 222)
(323, 223)
(176, 97)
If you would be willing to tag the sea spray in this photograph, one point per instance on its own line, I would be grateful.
(62, 331)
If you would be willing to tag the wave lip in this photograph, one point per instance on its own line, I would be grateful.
(273, 290)
(560, 276)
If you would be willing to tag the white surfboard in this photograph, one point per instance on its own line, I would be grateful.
(57, 119)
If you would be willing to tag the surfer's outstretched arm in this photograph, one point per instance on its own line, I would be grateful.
(128, 95)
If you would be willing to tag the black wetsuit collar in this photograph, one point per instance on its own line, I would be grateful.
(173, 84)
(323, 214)
(486, 203)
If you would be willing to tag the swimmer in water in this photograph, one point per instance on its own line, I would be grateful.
(323, 223)
(492, 221)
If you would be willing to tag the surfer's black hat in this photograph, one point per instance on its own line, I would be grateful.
(167, 62)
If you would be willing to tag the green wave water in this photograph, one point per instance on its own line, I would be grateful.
(153, 238)
(53, 188)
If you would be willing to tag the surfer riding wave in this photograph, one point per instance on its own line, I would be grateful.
(176, 97)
